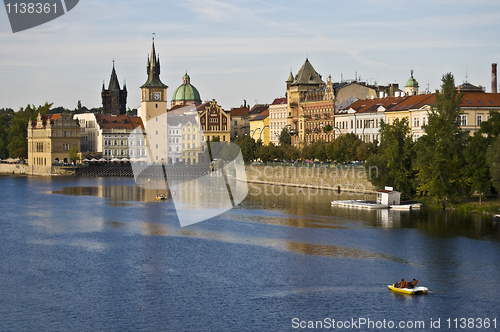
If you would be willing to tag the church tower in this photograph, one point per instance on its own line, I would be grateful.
(114, 99)
(153, 92)
(411, 86)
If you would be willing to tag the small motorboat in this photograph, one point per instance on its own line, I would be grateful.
(409, 291)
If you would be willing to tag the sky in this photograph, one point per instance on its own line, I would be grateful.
(244, 49)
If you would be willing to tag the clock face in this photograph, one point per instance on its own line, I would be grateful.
(156, 96)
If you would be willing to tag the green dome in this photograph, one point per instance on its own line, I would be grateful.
(186, 91)
(412, 82)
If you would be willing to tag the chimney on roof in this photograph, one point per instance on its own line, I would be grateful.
(493, 78)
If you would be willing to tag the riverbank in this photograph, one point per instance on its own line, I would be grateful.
(49, 170)
(489, 205)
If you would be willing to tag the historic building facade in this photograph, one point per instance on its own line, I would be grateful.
(214, 121)
(277, 119)
(259, 127)
(50, 139)
(311, 106)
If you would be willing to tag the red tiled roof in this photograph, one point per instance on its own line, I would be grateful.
(261, 116)
(478, 99)
(45, 118)
(279, 101)
(414, 102)
(118, 121)
(258, 108)
(239, 111)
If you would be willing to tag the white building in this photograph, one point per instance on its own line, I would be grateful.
(90, 133)
(277, 119)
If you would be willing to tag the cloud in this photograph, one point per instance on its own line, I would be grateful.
(213, 10)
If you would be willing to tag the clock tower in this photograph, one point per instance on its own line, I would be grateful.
(153, 92)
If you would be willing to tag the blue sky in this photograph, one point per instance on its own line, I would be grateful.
(244, 49)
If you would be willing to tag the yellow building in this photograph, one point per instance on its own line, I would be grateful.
(311, 106)
(191, 140)
(259, 127)
(51, 137)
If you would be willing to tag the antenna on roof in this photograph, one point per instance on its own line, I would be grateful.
(466, 75)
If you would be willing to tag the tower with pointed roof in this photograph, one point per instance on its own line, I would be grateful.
(411, 86)
(114, 99)
(153, 92)
(310, 106)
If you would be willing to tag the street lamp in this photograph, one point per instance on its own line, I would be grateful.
(260, 135)
(252, 132)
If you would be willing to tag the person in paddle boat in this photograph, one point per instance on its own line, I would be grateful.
(406, 284)
(401, 284)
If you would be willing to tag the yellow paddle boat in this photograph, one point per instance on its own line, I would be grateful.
(408, 291)
(161, 197)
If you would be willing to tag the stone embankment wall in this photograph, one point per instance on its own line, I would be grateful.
(21, 169)
(341, 179)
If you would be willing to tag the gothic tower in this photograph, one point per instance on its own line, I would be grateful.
(154, 92)
(114, 99)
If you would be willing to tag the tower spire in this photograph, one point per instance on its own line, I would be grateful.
(153, 69)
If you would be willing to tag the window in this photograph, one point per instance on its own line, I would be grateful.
(479, 119)
(65, 146)
(423, 121)
(463, 120)
(416, 121)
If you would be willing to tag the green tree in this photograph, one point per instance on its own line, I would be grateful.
(319, 150)
(285, 138)
(73, 154)
(248, 147)
(476, 168)
(378, 172)
(230, 152)
(344, 148)
(491, 127)
(266, 153)
(18, 129)
(4, 151)
(493, 159)
(396, 149)
(289, 152)
(440, 152)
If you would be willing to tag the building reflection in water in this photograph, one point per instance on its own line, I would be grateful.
(115, 193)
(389, 218)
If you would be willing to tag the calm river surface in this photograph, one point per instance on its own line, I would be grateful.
(99, 254)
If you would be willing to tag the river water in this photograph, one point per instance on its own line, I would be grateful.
(99, 254)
